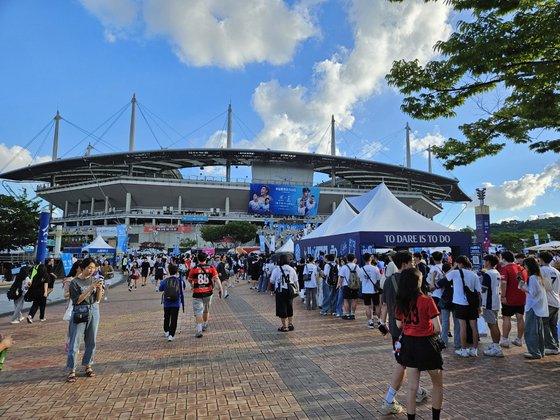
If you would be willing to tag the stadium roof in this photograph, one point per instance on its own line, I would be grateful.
(165, 163)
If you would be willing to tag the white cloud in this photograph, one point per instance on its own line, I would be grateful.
(383, 32)
(420, 145)
(217, 140)
(213, 32)
(547, 215)
(21, 157)
(522, 193)
(508, 219)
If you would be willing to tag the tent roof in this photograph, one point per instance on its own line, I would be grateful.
(99, 242)
(287, 247)
(340, 218)
(359, 203)
(387, 214)
(553, 245)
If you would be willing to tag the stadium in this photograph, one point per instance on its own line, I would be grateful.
(146, 191)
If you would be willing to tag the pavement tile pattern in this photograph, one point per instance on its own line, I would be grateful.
(243, 368)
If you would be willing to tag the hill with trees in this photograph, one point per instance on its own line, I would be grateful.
(516, 235)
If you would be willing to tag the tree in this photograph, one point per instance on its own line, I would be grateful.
(509, 240)
(19, 221)
(240, 232)
(508, 45)
(212, 233)
(187, 243)
(153, 247)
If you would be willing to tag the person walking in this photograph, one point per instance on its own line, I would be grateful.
(85, 292)
(173, 297)
(20, 286)
(309, 273)
(108, 274)
(38, 292)
(281, 277)
(417, 315)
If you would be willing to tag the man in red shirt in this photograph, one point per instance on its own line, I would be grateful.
(513, 299)
(202, 277)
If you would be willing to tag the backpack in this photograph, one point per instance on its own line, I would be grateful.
(172, 290)
(332, 280)
(14, 292)
(353, 280)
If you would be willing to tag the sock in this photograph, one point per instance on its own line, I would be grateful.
(496, 346)
(391, 395)
(436, 413)
(419, 392)
(411, 416)
(199, 327)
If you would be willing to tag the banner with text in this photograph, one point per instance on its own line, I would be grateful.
(283, 199)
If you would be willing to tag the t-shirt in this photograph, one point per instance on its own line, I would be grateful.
(79, 286)
(471, 281)
(436, 272)
(280, 282)
(202, 276)
(491, 284)
(50, 275)
(159, 268)
(310, 269)
(536, 297)
(145, 266)
(344, 272)
(553, 296)
(418, 323)
(388, 297)
(514, 296)
(368, 282)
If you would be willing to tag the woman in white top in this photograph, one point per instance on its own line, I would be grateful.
(281, 276)
(309, 273)
(536, 307)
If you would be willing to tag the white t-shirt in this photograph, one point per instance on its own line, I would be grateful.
(276, 277)
(553, 297)
(310, 269)
(368, 282)
(536, 297)
(491, 286)
(437, 272)
(471, 281)
(391, 269)
(344, 272)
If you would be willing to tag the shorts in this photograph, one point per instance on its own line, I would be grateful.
(348, 293)
(201, 305)
(284, 304)
(398, 356)
(466, 312)
(490, 316)
(420, 353)
(370, 297)
(158, 276)
(144, 273)
(51, 284)
(107, 282)
(508, 310)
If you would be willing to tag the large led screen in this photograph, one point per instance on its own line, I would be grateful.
(283, 199)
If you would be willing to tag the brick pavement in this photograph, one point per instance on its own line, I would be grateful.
(244, 368)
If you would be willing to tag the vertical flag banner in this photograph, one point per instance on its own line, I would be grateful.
(536, 235)
(43, 236)
(66, 262)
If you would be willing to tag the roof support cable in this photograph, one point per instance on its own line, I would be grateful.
(85, 138)
(254, 135)
(42, 143)
(324, 130)
(153, 116)
(150, 127)
(50, 124)
(150, 114)
(194, 131)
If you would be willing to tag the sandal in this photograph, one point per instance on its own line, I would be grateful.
(71, 378)
(290, 327)
(282, 329)
(89, 372)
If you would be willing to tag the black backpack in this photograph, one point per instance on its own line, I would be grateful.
(172, 290)
(332, 280)
(15, 292)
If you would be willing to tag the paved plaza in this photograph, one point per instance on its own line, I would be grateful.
(243, 368)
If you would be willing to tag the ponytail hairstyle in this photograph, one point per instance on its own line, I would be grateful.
(408, 290)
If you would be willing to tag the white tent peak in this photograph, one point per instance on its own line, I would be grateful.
(99, 242)
(287, 247)
(340, 218)
(386, 213)
(360, 202)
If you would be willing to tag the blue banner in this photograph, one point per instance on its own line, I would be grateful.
(43, 236)
(476, 257)
(121, 240)
(194, 219)
(66, 262)
(283, 199)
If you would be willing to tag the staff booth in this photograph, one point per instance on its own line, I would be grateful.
(99, 248)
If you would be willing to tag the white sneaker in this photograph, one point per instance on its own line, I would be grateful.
(462, 352)
(226, 294)
(517, 342)
(166, 333)
(391, 408)
(494, 352)
(15, 322)
(198, 334)
(105, 298)
(21, 318)
(473, 352)
(504, 342)
(370, 325)
(170, 338)
(204, 327)
(421, 397)
(546, 351)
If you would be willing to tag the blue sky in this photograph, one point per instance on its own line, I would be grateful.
(286, 66)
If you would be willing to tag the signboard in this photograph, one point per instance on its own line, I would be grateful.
(283, 199)
(483, 226)
(66, 262)
(194, 219)
(107, 231)
(43, 236)
(476, 257)
(167, 228)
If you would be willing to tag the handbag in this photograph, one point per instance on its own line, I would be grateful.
(437, 342)
(472, 297)
(108, 276)
(81, 314)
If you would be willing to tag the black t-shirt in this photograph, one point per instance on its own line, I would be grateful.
(50, 275)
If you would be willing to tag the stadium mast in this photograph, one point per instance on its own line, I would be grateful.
(228, 144)
(132, 124)
(333, 151)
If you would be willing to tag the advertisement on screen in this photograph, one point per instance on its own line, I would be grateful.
(283, 199)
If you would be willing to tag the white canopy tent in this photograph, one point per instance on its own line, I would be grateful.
(287, 247)
(549, 246)
(340, 218)
(99, 242)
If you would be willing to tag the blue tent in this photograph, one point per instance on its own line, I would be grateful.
(98, 248)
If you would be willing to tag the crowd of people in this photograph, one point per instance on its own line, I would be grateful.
(411, 298)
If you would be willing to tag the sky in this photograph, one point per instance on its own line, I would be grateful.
(285, 66)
